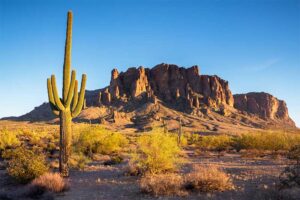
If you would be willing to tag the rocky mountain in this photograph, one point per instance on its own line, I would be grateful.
(141, 96)
(263, 105)
(169, 83)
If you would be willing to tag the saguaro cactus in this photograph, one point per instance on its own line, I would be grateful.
(70, 105)
(179, 131)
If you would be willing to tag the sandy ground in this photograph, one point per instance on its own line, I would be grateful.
(254, 179)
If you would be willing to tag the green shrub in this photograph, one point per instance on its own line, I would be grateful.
(192, 138)
(114, 160)
(8, 139)
(25, 165)
(156, 152)
(99, 140)
(273, 141)
(79, 161)
(217, 143)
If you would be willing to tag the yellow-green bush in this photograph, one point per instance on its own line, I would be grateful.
(79, 161)
(156, 152)
(8, 139)
(218, 143)
(99, 140)
(273, 141)
(192, 138)
(25, 165)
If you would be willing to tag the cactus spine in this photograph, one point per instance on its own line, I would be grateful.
(70, 105)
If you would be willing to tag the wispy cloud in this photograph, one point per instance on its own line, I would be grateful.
(262, 66)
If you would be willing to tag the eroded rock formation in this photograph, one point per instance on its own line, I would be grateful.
(263, 105)
(169, 83)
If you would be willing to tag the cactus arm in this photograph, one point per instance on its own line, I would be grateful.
(51, 98)
(75, 97)
(67, 59)
(79, 105)
(71, 90)
(57, 100)
(55, 112)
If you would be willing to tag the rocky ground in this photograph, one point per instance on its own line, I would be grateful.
(254, 178)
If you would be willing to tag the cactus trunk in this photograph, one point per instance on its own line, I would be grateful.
(70, 105)
(65, 142)
(179, 131)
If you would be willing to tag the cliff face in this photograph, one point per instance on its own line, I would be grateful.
(168, 83)
(263, 105)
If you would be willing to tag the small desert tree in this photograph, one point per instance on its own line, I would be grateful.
(70, 105)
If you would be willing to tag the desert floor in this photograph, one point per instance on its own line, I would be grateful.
(254, 178)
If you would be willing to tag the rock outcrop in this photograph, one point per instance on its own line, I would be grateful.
(170, 84)
(263, 105)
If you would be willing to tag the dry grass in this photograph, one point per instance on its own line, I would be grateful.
(162, 184)
(52, 182)
(207, 179)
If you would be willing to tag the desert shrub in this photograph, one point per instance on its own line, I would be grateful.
(273, 141)
(290, 177)
(162, 184)
(270, 141)
(192, 138)
(156, 152)
(51, 148)
(99, 140)
(294, 153)
(113, 142)
(8, 139)
(183, 140)
(217, 143)
(114, 160)
(78, 161)
(25, 165)
(207, 179)
(52, 182)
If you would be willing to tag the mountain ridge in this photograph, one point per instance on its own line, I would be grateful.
(183, 90)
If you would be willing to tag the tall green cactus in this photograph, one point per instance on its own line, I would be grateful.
(70, 105)
(179, 131)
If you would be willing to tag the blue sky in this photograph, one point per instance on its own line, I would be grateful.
(254, 44)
